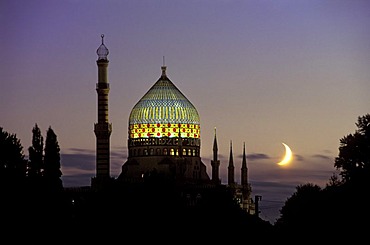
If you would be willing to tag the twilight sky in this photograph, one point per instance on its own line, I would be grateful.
(262, 72)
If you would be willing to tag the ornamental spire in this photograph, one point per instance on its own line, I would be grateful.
(244, 162)
(163, 68)
(215, 163)
(102, 51)
(215, 148)
(231, 173)
(244, 173)
(231, 158)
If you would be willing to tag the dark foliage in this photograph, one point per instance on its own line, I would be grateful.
(12, 162)
(36, 154)
(52, 172)
(354, 154)
(300, 208)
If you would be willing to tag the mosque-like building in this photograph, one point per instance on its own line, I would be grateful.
(164, 136)
(164, 140)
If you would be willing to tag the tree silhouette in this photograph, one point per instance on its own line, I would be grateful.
(22, 205)
(12, 162)
(354, 154)
(52, 172)
(354, 162)
(300, 210)
(36, 155)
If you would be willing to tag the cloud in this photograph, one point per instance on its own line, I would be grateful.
(298, 158)
(250, 156)
(78, 150)
(256, 156)
(82, 161)
(324, 157)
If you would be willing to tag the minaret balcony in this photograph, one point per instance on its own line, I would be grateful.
(102, 86)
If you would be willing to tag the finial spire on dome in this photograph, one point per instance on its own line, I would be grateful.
(163, 68)
(102, 51)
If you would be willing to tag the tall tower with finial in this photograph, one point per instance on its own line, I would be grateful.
(230, 168)
(215, 163)
(244, 169)
(245, 186)
(102, 128)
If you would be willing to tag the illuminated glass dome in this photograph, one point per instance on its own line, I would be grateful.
(164, 112)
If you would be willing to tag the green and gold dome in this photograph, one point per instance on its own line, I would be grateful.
(164, 112)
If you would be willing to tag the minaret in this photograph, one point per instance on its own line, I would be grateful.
(231, 171)
(246, 188)
(103, 128)
(215, 163)
(244, 170)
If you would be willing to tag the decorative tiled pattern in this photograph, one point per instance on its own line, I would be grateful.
(164, 111)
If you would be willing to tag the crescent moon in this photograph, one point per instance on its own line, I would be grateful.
(287, 157)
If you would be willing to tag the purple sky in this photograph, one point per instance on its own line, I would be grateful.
(261, 72)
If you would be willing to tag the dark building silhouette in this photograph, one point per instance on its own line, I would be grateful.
(215, 163)
(164, 140)
(245, 185)
(231, 168)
